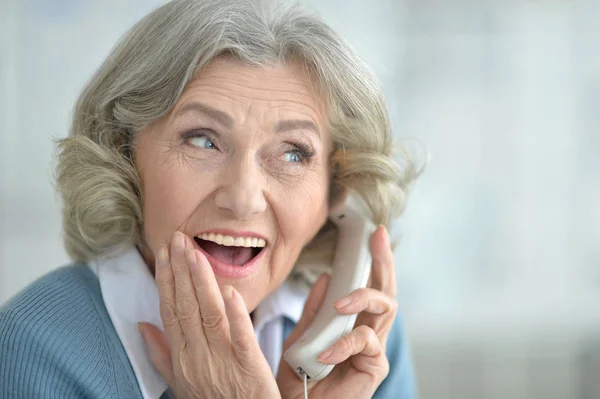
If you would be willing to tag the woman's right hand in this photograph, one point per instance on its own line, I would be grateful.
(209, 349)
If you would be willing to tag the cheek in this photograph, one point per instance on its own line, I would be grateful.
(302, 213)
(171, 193)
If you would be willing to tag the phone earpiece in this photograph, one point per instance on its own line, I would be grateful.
(351, 270)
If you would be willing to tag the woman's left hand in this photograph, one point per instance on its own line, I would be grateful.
(360, 358)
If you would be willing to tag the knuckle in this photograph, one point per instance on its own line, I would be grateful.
(168, 315)
(347, 344)
(213, 322)
(372, 306)
(243, 345)
(371, 335)
(367, 334)
(186, 308)
(394, 306)
(383, 370)
(385, 366)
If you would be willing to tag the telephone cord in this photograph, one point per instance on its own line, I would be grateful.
(305, 386)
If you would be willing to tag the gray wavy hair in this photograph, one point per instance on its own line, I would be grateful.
(146, 72)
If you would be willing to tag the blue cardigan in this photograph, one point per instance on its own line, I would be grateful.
(57, 341)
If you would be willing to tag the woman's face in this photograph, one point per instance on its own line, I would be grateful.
(243, 156)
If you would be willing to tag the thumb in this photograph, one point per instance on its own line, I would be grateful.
(311, 307)
(159, 351)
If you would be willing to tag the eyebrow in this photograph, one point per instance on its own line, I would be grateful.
(213, 113)
(297, 124)
(224, 119)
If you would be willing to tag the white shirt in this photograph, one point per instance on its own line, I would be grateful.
(131, 296)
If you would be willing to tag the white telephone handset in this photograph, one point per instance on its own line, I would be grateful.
(351, 269)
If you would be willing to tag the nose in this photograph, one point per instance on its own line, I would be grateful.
(242, 189)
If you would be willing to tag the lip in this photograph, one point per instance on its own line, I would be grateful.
(227, 270)
(233, 233)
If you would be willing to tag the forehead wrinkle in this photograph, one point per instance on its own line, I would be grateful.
(215, 89)
(248, 75)
(306, 85)
(266, 94)
(285, 105)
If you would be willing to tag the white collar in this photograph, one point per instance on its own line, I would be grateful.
(131, 296)
(288, 300)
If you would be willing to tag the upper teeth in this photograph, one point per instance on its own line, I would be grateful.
(230, 241)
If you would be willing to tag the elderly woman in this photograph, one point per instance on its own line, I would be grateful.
(203, 158)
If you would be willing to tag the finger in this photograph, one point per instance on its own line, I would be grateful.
(159, 351)
(367, 300)
(186, 303)
(383, 273)
(362, 340)
(376, 310)
(243, 338)
(165, 282)
(208, 293)
(311, 307)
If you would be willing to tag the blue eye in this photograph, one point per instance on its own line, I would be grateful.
(293, 156)
(202, 142)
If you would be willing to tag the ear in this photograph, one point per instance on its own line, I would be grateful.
(337, 196)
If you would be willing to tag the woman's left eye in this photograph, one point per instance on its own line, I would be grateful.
(293, 156)
(298, 153)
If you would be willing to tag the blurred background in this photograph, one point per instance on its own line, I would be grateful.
(499, 261)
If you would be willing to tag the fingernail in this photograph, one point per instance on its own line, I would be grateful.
(325, 354)
(162, 258)
(340, 303)
(385, 232)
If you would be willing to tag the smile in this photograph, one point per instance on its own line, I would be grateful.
(231, 256)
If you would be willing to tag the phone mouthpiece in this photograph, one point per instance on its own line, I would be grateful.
(351, 269)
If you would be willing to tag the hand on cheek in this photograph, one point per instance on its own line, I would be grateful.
(209, 347)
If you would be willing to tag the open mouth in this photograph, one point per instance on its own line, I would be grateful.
(236, 251)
